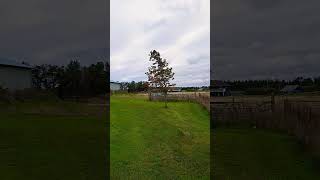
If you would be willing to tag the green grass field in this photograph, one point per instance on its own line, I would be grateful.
(149, 141)
(250, 154)
(53, 141)
(59, 140)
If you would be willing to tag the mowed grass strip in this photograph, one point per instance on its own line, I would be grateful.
(36, 144)
(250, 154)
(149, 141)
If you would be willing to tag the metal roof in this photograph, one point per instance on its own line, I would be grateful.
(13, 63)
(114, 82)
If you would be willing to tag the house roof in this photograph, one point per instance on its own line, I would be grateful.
(114, 82)
(12, 63)
(289, 88)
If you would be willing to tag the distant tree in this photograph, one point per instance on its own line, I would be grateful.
(159, 74)
(140, 86)
(145, 86)
(124, 85)
(298, 80)
(38, 76)
(46, 76)
(307, 82)
(98, 78)
(107, 66)
(52, 77)
(317, 81)
(73, 77)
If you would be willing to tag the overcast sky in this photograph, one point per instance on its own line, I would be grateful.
(250, 39)
(47, 31)
(179, 30)
(256, 39)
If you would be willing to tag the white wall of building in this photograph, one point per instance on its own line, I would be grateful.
(15, 78)
(115, 86)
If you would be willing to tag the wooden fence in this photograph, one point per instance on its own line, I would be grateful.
(234, 112)
(296, 117)
(302, 119)
(201, 98)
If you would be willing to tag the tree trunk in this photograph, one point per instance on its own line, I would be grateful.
(165, 100)
(149, 92)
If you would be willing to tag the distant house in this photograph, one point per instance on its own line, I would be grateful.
(115, 86)
(220, 88)
(288, 89)
(175, 89)
(14, 75)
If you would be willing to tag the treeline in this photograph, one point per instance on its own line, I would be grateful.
(192, 89)
(268, 86)
(142, 86)
(134, 87)
(277, 84)
(73, 79)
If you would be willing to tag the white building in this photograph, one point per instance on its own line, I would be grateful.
(114, 86)
(14, 76)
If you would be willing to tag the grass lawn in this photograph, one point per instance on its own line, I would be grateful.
(250, 154)
(48, 140)
(149, 141)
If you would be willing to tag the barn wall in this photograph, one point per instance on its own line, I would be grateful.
(15, 78)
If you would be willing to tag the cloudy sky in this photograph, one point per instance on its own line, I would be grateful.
(265, 39)
(46, 31)
(250, 39)
(179, 30)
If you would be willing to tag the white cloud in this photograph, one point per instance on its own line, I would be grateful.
(179, 30)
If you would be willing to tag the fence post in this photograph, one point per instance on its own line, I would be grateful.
(285, 111)
(272, 102)
(232, 101)
(149, 93)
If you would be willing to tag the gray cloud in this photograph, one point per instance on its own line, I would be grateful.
(44, 31)
(179, 30)
(265, 39)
